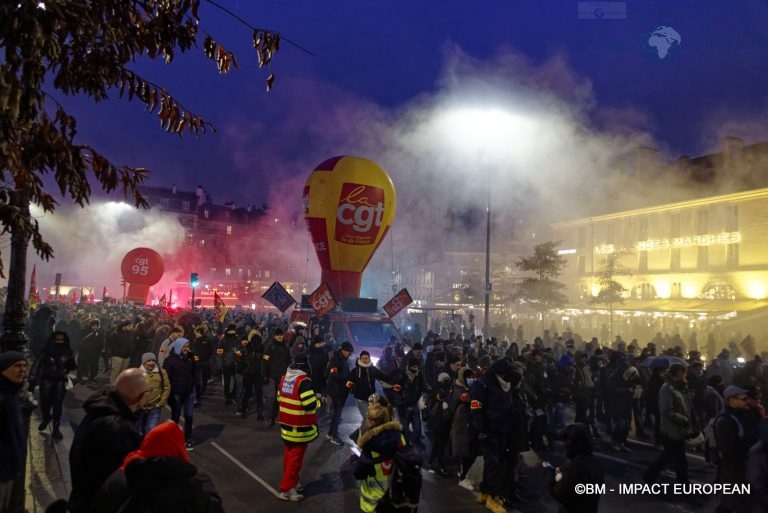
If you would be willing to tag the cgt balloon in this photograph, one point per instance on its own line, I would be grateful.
(349, 204)
(141, 268)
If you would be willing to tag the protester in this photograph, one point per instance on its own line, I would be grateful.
(248, 368)
(409, 386)
(180, 366)
(157, 395)
(378, 445)
(13, 446)
(339, 385)
(105, 436)
(464, 445)
(274, 365)
(363, 378)
(158, 477)
(583, 468)
(675, 411)
(90, 348)
(298, 405)
(50, 372)
(225, 353)
(121, 346)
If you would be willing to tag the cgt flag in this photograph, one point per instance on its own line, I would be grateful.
(219, 307)
(162, 300)
(34, 297)
(397, 303)
(322, 300)
(278, 296)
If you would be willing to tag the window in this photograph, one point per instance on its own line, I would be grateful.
(702, 222)
(164, 202)
(732, 255)
(185, 205)
(642, 262)
(206, 213)
(609, 233)
(643, 229)
(229, 229)
(702, 260)
(227, 271)
(732, 218)
(582, 237)
(202, 243)
(582, 263)
(674, 263)
(674, 225)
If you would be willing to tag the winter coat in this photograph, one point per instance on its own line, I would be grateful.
(517, 439)
(103, 439)
(675, 410)
(461, 437)
(249, 361)
(159, 389)
(364, 379)
(181, 371)
(374, 466)
(490, 406)
(229, 344)
(318, 366)
(13, 446)
(582, 468)
(122, 344)
(158, 485)
(757, 476)
(276, 359)
(56, 361)
(203, 347)
(338, 376)
(410, 388)
(734, 439)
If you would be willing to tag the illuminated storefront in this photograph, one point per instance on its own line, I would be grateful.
(707, 257)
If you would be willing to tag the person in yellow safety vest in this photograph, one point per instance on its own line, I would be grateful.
(297, 416)
(378, 445)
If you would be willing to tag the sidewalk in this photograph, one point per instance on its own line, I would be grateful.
(48, 477)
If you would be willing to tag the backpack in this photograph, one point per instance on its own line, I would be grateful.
(710, 435)
(405, 484)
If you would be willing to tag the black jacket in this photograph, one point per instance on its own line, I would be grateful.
(13, 446)
(122, 343)
(338, 375)
(103, 439)
(56, 361)
(251, 354)
(158, 485)
(364, 379)
(277, 357)
(181, 373)
(582, 468)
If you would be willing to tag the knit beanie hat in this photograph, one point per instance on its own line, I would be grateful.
(148, 356)
(9, 358)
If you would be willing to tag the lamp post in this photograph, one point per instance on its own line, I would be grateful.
(491, 135)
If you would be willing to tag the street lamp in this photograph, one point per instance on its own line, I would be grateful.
(492, 136)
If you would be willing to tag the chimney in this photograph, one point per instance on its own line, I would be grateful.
(732, 147)
(646, 161)
(200, 195)
(173, 189)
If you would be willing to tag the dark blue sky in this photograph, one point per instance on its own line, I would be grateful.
(375, 60)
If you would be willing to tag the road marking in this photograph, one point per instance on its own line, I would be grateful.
(246, 470)
(688, 454)
(631, 464)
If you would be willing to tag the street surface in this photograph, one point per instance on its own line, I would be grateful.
(244, 458)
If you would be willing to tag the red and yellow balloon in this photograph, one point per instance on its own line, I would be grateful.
(141, 268)
(349, 204)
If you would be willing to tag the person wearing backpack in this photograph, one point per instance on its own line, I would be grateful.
(735, 432)
(388, 484)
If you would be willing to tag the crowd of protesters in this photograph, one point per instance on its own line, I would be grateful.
(468, 396)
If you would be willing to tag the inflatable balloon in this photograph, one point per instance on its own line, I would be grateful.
(141, 268)
(349, 204)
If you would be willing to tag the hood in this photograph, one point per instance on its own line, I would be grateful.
(577, 442)
(106, 402)
(165, 440)
(499, 367)
(366, 437)
(178, 344)
(292, 374)
(51, 346)
(566, 361)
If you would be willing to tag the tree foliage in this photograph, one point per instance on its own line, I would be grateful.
(87, 47)
(612, 291)
(542, 292)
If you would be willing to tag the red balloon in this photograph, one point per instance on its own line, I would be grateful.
(142, 266)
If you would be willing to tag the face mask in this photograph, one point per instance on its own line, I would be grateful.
(470, 382)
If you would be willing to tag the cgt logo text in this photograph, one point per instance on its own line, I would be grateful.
(359, 214)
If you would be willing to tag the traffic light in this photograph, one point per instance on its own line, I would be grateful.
(193, 281)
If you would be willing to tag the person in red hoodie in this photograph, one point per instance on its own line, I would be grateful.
(158, 477)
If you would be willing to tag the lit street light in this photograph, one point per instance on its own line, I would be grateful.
(491, 136)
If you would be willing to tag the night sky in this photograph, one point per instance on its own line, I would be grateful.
(375, 60)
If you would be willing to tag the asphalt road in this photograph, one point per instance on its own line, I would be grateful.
(244, 458)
